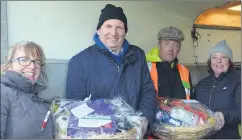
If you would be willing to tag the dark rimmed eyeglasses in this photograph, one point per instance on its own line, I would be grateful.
(26, 62)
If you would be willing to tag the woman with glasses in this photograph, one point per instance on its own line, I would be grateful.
(23, 77)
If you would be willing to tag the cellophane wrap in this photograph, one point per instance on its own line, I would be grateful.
(183, 119)
(96, 119)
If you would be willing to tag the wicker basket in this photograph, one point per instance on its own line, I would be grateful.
(181, 133)
(131, 134)
(195, 132)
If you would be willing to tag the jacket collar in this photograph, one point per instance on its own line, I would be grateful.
(153, 56)
(128, 58)
(100, 45)
(19, 82)
(222, 75)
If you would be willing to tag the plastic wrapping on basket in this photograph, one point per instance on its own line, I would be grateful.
(96, 119)
(183, 119)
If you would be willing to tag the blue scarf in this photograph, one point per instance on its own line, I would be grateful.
(117, 58)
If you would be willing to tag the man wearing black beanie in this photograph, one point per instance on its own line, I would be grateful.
(112, 12)
(112, 67)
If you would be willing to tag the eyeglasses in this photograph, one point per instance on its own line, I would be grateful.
(26, 62)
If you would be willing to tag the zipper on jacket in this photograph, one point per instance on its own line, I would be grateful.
(118, 68)
(210, 97)
(214, 85)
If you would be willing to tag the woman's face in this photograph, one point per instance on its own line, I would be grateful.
(29, 67)
(219, 63)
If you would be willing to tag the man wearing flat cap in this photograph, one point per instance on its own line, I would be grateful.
(112, 67)
(170, 78)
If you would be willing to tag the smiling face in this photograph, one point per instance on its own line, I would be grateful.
(169, 49)
(26, 58)
(112, 34)
(31, 72)
(219, 63)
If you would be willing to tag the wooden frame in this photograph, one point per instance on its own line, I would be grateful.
(204, 20)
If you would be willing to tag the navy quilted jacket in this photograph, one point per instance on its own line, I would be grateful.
(223, 94)
(93, 71)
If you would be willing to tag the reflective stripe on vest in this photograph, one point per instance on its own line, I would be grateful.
(184, 74)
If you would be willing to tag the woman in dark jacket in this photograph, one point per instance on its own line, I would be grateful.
(22, 112)
(221, 92)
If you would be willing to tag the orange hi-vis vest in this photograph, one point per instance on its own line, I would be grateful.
(184, 74)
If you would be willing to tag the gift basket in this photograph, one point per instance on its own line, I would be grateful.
(96, 119)
(183, 119)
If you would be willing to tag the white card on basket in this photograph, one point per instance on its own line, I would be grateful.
(82, 110)
(92, 122)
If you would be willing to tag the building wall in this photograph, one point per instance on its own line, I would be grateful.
(210, 37)
(65, 28)
(4, 30)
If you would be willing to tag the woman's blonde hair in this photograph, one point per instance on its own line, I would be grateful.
(31, 49)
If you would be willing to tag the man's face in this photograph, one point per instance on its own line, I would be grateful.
(169, 49)
(112, 34)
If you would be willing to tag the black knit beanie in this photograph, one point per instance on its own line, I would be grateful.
(112, 12)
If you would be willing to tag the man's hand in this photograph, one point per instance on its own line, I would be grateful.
(219, 120)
